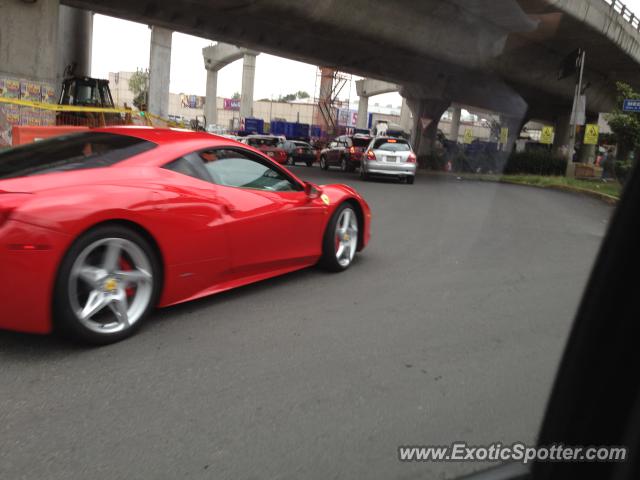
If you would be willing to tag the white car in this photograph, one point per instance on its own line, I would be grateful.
(389, 156)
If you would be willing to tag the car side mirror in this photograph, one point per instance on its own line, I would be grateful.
(312, 190)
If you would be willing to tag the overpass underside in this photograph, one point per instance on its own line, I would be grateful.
(499, 55)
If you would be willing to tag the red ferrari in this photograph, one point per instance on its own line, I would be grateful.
(100, 227)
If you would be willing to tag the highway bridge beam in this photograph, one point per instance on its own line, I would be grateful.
(219, 56)
(426, 116)
(363, 112)
(248, 80)
(75, 33)
(211, 101)
(405, 116)
(159, 71)
(455, 123)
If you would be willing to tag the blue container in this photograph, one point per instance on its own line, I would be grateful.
(253, 125)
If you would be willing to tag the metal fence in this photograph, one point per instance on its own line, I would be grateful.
(622, 10)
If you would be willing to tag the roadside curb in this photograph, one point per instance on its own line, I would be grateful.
(609, 199)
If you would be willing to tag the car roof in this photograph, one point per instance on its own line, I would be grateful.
(160, 136)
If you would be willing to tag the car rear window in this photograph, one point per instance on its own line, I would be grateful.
(70, 152)
(391, 145)
(261, 142)
(360, 142)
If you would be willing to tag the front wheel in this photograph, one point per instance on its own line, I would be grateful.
(340, 240)
(410, 180)
(107, 284)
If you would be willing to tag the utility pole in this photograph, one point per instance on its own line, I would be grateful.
(574, 114)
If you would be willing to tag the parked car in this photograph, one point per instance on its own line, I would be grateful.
(269, 145)
(345, 151)
(299, 152)
(98, 228)
(389, 156)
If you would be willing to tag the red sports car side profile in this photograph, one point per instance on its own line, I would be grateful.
(98, 228)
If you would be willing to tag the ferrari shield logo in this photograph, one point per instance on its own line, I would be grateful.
(325, 198)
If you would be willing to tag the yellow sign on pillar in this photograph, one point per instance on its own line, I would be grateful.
(591, 132)
(504, 135)
(468, 135)
(547, 135)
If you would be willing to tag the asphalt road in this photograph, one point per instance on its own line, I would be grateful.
(448, 327)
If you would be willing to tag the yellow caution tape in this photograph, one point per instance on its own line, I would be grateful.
(64, 108)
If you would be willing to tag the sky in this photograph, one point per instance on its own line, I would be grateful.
(120, 45)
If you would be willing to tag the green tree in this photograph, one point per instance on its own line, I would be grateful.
(236, 96)
(139, 86)
(302, 94)
(625, 125)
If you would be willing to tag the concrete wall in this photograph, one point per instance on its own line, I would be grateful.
(28, 40)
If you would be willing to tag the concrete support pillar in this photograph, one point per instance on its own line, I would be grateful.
(75, 33)
(587, 153)
(405, 116)
(29, 39)
(455, 124)
(159, 71)
(211, 102)
(561, 136)
(423, 139)
(514, 124)
(248, 79)
(363, 112)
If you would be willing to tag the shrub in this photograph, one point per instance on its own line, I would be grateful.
(432, 161)
(623, 170)
(536, 163)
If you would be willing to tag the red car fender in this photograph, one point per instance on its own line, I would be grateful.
(336, 195)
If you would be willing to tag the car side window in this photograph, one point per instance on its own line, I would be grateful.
(185, 167)
(234, 168)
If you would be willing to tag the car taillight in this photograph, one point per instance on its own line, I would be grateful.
(371, 155)
(411, 158)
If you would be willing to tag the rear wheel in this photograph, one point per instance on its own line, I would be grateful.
(323, 163)
(107, 284)
(340, 239)
(410, 180)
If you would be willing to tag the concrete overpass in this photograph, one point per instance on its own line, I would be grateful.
(499, 55)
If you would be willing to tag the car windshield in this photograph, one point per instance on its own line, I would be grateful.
(391, 145)
(73, 152)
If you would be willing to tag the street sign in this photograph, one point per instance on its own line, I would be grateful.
(591, 134)
(468, 135)
(504, 135)
(631, 105)
(547, 135)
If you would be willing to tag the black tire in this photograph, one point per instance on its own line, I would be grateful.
(410, 180)
(65, 320)
(309, 163)
(328, 260)
(323, 163)
(290, 160)
(344, 166)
